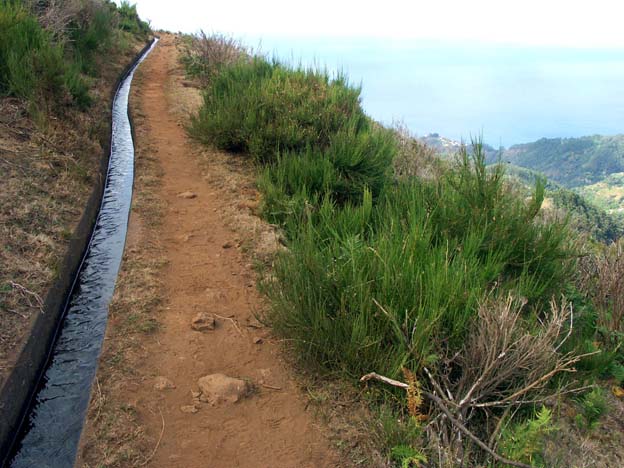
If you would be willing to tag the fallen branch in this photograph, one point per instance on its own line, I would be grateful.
(233, 323)
(387, 380)
(438, 401)
(475, 439)
(28, 293)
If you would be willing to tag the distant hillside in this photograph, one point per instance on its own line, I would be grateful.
(587, 214)
(608, 193)
(573, 162)
(446, 147)
(528, 176)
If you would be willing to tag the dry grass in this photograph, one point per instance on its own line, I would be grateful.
(603, 277)
(414, 158)
(204, 55)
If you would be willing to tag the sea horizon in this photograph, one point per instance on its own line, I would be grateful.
(508, 94)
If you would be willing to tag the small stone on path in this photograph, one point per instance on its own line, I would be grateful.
(219, 388)
(163, 383)
(258, 340)
(188, 195)
(192, 409)
(203, 321)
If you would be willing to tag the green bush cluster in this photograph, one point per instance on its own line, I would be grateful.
(593, 405)
(380, 286)
(264, 108)
(47, 67)
(524, 441)
(129, 19)
(31, 65)
(354, 161)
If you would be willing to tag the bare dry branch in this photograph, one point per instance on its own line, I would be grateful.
(440, 403)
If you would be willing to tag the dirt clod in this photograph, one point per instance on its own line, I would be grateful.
(163, 383)
(191, 409)
(219, 388)
(203, 321)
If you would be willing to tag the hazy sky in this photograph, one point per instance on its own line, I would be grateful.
(595, 23)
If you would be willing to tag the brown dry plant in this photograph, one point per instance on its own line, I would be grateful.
(414, 158)
(205, 55)
(55, 16)
(602, 278)
(504, 364)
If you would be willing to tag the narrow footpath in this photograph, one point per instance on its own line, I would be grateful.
(205, 270)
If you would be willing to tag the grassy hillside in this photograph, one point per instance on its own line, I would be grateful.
(587, 211)
(448, 278)
(608, 194)
(58, 64)
(572, 162)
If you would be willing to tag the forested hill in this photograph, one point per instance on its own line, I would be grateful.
(573, 162)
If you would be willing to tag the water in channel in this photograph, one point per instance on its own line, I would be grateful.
(52, 430)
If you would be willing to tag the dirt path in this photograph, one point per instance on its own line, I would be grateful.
(206, 271)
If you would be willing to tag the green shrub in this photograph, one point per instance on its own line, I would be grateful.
(46, 65)
(592, 406)
(263, 108)
(407, 457)
(397, 283)
(476, 196)
(31, 65)
(130, 21)
(353, 163)
(91, 34)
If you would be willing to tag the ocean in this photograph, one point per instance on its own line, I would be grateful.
(507, 94)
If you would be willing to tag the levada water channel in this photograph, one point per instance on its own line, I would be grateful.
(51, 430)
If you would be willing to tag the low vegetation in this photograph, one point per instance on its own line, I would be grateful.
(442, 274)
(263, 108)
(49, 50)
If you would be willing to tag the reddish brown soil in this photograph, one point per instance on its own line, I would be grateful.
(207, 271)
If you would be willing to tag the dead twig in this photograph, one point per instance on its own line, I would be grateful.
(271, 387)
(28, 293)
(17, 313)
(381, 378)
(100, 398)
(474, 438)
(233, 323)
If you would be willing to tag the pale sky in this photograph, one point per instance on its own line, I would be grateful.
(573, 23)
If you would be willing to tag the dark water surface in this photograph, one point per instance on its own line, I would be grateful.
(52, 432)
